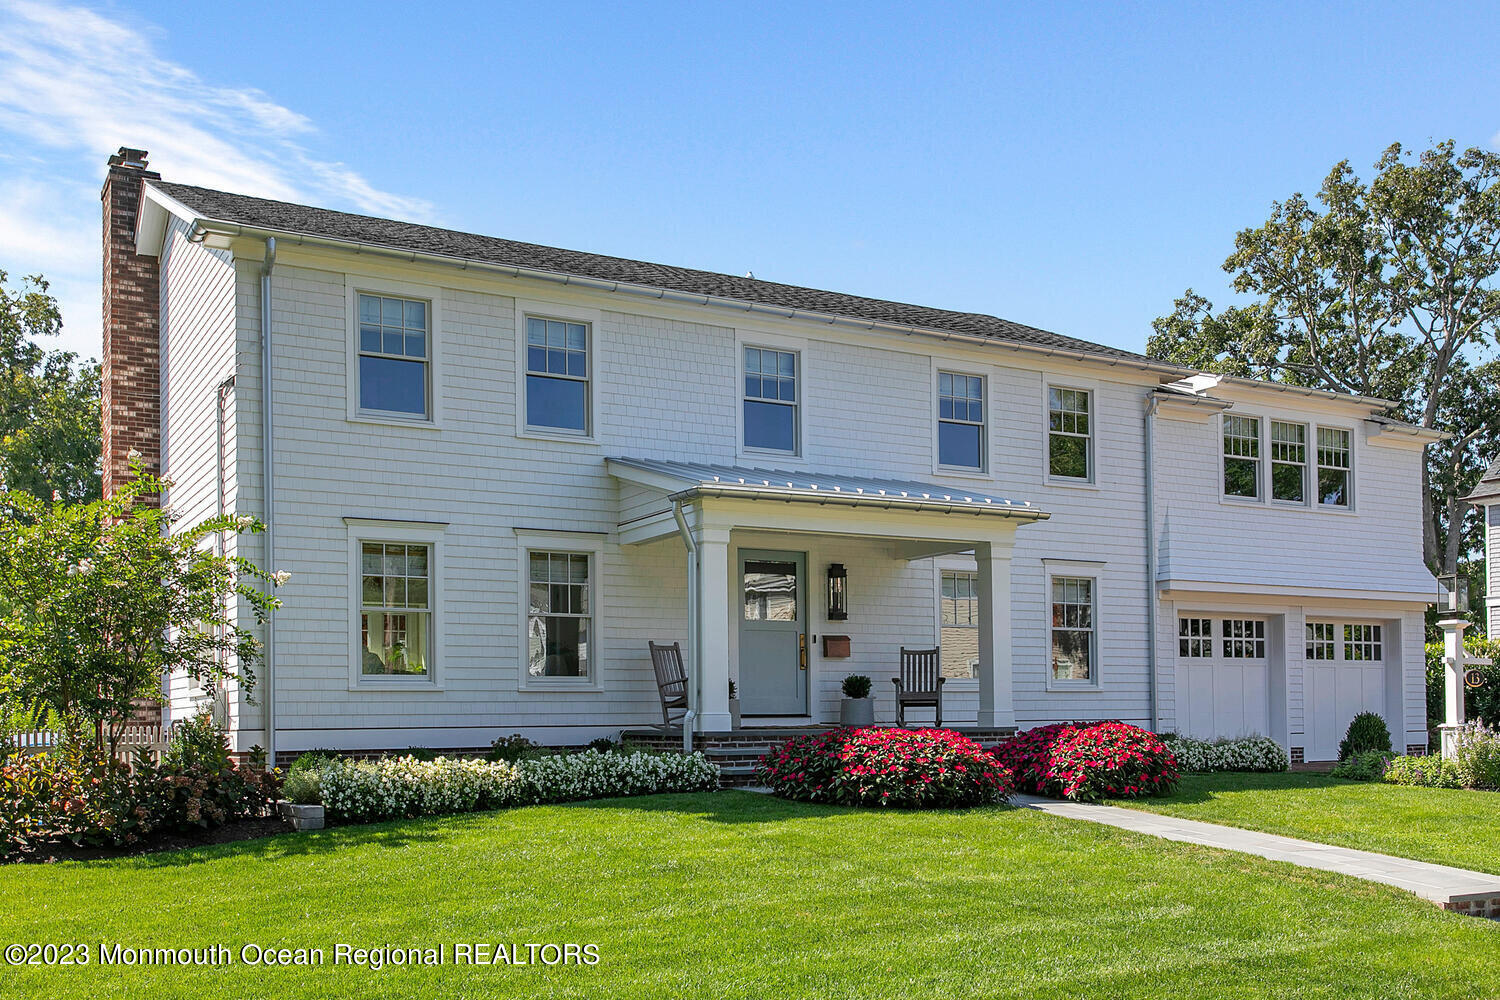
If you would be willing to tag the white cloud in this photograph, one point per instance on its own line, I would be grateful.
(74, 86)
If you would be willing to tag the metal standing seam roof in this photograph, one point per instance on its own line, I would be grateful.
(728, 481)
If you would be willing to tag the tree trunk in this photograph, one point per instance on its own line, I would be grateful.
(1430, 554)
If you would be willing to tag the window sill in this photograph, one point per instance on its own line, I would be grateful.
(1282, 505)
(1072, 484)
(779, 456)
(961, 472)
(559, 686)
(391, 420)
(1074, 687)
(542, 434)
(417, 685)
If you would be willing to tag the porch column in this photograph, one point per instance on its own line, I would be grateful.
(996, 700)
(715, 607)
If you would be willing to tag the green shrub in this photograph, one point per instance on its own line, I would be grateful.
(1427, 772)
(856, 686)
(313, 760)
(197, 742)
(304, 787)
(419, 753)
(1479, 756)
(512, 748)
(1367, 765)
(1482, 702)
(1367, 732)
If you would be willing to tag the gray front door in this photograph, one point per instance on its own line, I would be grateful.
(773, 630)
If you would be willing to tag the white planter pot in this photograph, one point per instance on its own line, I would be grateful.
(856, 712)
(301, 817)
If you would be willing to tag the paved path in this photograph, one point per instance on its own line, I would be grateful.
(1475, 893)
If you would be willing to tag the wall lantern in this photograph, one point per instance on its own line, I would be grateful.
(838, 581)
(1454, 593)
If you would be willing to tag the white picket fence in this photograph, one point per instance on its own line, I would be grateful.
(132, 737)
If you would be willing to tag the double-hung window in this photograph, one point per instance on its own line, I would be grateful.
(770, 403)
(557, 375)
(1242, 457)
(1334, 467)
(960, 420)
(958, 635)
(1288, 462)
(560, 617)
(1074, 648)
(394, 355)
(1069, 434)
(395, 615)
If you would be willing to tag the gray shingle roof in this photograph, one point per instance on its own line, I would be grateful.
(1489, 483)
(263, 213)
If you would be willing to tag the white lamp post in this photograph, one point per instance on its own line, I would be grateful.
(1455, 661)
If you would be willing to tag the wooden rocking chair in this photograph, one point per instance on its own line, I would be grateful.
(920, 684)
(671, 683)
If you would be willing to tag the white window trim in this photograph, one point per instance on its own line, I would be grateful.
(592, 545)
(1050, 382)
(1309, 468)
(593, 319)
(986, 431)
(1263, 421)
(1312, 458)
(744, 338)
(1264, 501)
(950, 564)
(354, 284)
(1074, 568)
(418, 532)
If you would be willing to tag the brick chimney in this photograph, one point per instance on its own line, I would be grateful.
(132, 338)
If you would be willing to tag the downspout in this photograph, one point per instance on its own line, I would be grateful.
(1152, 404)
(268, 481)
(225, 387)
(695, 638)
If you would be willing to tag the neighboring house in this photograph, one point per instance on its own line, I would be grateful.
(498, 470)
(1486, 496)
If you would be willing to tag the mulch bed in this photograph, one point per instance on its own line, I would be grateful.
(245, 829)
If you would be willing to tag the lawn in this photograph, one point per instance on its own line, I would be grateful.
(1445, 826)
(730, 894)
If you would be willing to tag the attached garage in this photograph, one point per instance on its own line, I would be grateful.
(1343, 674)
(1223, 677)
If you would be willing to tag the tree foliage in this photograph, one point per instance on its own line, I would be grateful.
(99, 600)
(1386, 289)
(49, 401)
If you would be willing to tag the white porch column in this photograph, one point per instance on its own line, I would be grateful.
(996, 698)
(714, 607)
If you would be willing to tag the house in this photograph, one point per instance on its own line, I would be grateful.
(497, 470)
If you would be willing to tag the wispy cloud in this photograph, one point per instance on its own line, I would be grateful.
(75, 85)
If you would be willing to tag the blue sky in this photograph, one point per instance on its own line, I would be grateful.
(1074, 167)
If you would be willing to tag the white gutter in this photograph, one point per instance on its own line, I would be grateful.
(268, 481)
(822, 497)
(1153, 402)
(695, 636)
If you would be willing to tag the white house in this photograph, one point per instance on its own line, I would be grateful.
(497, 470)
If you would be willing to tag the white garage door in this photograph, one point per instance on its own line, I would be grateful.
(1344, 675)
(1223, 677)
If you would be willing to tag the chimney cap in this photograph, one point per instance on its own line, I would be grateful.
(134, 159)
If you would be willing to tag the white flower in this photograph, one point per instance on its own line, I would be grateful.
(132, 455)
(281, 577)
(56, 496)
(244, 521)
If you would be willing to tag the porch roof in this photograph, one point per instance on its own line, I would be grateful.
(695, 480)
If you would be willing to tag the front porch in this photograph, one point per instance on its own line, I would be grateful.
(758, 545)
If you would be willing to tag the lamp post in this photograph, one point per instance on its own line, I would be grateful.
(1455, 660)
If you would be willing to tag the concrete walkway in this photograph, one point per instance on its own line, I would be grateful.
(1458, 889)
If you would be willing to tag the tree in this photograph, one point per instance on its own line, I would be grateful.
(1386, 289)
(98, 600)
(49, 401)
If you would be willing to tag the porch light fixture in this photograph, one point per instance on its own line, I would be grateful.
(838, 581)
(1453, 594)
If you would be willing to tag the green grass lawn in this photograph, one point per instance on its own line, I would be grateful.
(1445, 826)
(736, 895)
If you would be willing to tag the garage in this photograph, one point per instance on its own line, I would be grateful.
(1223, 677)
(1344, 674)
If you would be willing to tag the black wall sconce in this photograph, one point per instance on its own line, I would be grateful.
(838, 583)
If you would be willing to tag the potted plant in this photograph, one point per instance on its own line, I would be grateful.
(734, 706)
(303, 805)
(857, 708)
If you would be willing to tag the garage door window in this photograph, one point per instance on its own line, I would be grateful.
(1244, 639)
(1362, 642)
(1195, 637)
(1320, 639)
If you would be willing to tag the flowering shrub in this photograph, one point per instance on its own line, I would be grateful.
(397, 787)
(1094, 761)
(904, 768)
(595, 775)
(1248, 753)
(1479, 756)
(1427, 772)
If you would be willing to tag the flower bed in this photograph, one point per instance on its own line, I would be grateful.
(1094, 761)
(1249, 753)
(595, 775)
(901, 768)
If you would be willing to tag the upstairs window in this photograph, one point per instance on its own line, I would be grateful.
(1334, 467)
(557, 375)
(1242, 457)
(770, 400)
(960, 420)
(1288, 462)
(1069, 434)
(393, 355)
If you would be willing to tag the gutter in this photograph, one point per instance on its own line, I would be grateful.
(1153, 403)
(268, 485)
(695, 631)
(820, 497)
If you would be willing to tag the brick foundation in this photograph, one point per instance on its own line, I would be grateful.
(1416, 749)
(1297, 755)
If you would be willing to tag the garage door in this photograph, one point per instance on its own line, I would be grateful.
(1223, 677)
(1344, 675)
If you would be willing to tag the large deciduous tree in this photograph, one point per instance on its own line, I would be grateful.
(49, 401)
(1386, 289)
